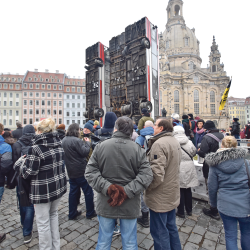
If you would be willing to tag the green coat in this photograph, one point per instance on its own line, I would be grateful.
(142, 121)
(119, 161)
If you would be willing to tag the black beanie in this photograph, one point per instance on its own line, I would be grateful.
(201, 120)
(184, 117)
(29, 129)
(209, 125)
(236, 119)
(191, 115)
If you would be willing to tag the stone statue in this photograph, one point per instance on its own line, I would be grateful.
(164, 112)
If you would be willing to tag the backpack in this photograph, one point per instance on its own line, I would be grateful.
(193, 125)
(147, 137)
(103, 136)
(25, 148)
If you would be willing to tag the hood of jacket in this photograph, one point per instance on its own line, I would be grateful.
(181, 137)
(10, 140)
(61, 132)
(110, 119)
(119, 134)
(47, 140)
(147, 131)
(220, 158)
(26, 138)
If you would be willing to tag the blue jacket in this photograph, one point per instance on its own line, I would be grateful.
(145, 131)
(228, 182)
(6, 155)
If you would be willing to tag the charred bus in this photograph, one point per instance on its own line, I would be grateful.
(130, 72)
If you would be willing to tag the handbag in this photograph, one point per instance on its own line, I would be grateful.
(248, 174)
(187, 153)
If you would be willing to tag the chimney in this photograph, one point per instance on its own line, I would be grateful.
(46, 70)
(57, 71)
(36, 70)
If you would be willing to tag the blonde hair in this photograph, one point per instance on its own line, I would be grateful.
(229, 142)
(46, 125)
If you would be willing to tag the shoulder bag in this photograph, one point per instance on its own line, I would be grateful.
(187, 153)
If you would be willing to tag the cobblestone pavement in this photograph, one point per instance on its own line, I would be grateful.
(196, 232)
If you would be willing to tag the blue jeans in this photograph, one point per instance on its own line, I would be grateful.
(164, 231)
(2, 180)
(231, 231)
(75, 185)
(128, 233)
(27, 217)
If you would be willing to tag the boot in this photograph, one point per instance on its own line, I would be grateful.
(144, 220)
(212, 212)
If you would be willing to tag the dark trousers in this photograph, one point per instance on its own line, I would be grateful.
(27, 216)
(75, 185)
(185, 201)
(164, 230)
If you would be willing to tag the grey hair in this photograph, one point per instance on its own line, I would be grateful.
(18, 124)
(125, 125)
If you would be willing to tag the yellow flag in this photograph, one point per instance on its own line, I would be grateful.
(224, 97)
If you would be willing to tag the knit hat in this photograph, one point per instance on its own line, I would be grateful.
(201, 120)
(184, 117)
(197, 118)
(96, 122)
(149, 124)
(110, 119)
(89, 126)
(29, 129)
(179, 129)
(191, 115)
(61, 126)
(91, 122)
(209, 125)
(144, 111)
(175, 116)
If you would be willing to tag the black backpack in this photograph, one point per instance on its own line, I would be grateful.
(25, 148)
(95, 139)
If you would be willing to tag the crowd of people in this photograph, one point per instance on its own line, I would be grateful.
(141, 175)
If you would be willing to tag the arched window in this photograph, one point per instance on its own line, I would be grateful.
(214, 68)
(177, 10)
(186, 41)
(191, 65)
(176, 96)
(196, 102)
(212, 96)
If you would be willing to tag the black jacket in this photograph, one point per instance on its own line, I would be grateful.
(17, 133)
(76, 151)
(235, 128)
(209, 145)
(61, 133)
(186, 128)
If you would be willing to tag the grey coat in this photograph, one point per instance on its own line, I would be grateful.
(188, 174)
(119, 161)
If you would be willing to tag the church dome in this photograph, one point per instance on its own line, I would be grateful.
(180, 41)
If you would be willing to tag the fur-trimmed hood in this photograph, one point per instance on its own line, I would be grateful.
(220, 159)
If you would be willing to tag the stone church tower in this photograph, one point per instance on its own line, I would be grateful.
(185, 87)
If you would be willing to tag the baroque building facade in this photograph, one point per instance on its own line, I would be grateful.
(186, 87)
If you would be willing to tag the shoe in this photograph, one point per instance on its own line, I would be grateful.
(144, 220)
(78, 214)
(212, 212)
(27, 239)
(189, 214)
(116, 231)
(2, 237)
(180, 215)
(91, 216)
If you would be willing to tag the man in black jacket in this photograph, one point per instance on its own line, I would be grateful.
(21, 147)
(76, 152)
(210, 143)
(19, 131)
(236, 128)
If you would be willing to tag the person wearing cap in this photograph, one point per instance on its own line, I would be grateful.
(185, 122)
(19, 131)
(210, 144)
(200, 132)
(87, 132)
(60, 129)
(236, 128)
(20, 148)
(145, 117)
(109, 124)
(175, 120)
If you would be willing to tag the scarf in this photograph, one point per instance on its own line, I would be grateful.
(200, 131)
(185, 120)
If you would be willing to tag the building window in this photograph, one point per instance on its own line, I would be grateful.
(73, 89)
(43, 86)
(73, 83)
(11, 95)
(196, 102)
(196, 108)
(11, 103)
(31, 111)
(73, 105)
(54, 112)
(212, 96)
(60, 87)
(17, 86)
(191, 65)
(11, 86)
(37, 111)
(54, 87)
(83, 105)
(78, 114)
(4, 94)
(25, 111)
(24, 121)
(214, 68)
(31, 86)
(54, 103)
(4, 121)
(73, 121)
(67, 113)
(48, 86)
(212, 107)
(60, 103)
(196, 95)
(73, 96)
(78, 105)
(78, 83)
(5, 86)
(25, 85)
(43, 102)
(73, 113)
(67, 105)
(17, 104)
(4, 103)
(60, 120)
(196, 79)
(31, 94)
(43, 111)
(60, 112)
(10, 112)
(78, 97)
(48, 111)
(167, 44)
(48, 95)
(37, 94)
(10, 122)
(176, 97)
(67, 122)
(17, 95)
(212, 83)
(48, 103)
(83, 89)
(37, 86)
(60, 95)
(176, 82)
(31, 102)
(4, 112)
(186, 41)
(31, 121)
(37, 102)
(54, 95)
(67, 89)
(78, 90)
(17, 113)
(67, 96)
(24, 94)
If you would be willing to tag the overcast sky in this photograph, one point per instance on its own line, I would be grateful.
(53, 34)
